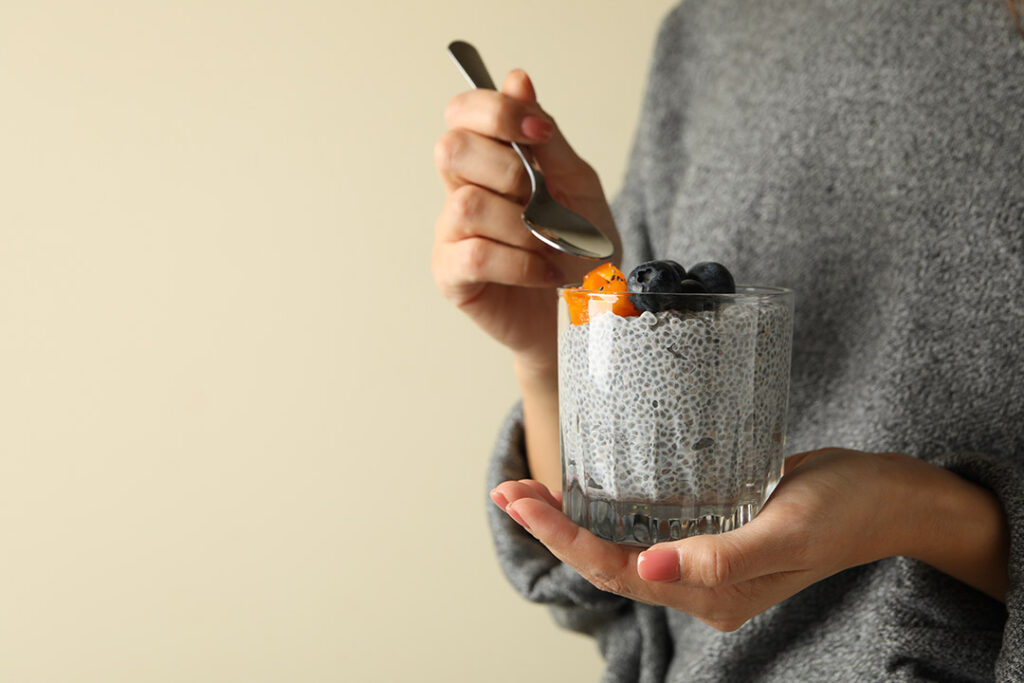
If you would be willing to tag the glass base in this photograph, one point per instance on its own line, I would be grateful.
(644, 524)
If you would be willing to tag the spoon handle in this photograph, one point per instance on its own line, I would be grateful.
(472, 67)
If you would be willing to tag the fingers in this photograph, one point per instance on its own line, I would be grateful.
(480, 240)
(553, 152)
(608, 566)
(498, 116)
(464, 157)
(511, 491)
(519, 87)
(625, 571)
(776, 541)
(513, 115)
(472, 211)
(467, 264)
(553, 497)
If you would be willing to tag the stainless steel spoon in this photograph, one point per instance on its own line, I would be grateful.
(548, 220)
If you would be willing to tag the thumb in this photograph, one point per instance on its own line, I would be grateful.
(518, 86)
(721, 559)
(554, 155)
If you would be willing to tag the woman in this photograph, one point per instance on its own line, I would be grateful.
(870, 156)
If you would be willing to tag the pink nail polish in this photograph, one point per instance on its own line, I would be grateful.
(658, 565)
(516, 516)
(536, 128)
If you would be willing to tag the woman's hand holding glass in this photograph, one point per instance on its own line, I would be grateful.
(834, 509)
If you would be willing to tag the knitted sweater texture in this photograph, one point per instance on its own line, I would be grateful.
(870, 156)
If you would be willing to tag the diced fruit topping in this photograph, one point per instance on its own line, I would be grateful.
(715, 277)
(611, 284)
(577, 301)
(604, 278)
(648, 288)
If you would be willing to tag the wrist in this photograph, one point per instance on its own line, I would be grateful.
(956, 527)
(536, 372)
(538, 384)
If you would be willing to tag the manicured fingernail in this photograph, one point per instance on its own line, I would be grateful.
(516, 516)
(536, 128)
(658, 565)
(499, 499)
(554, 275)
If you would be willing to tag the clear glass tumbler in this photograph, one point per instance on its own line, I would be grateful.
(673, 423)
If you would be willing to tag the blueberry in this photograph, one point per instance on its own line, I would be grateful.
(691, 286)
(650, 279)
(714, 276)
(679, 269)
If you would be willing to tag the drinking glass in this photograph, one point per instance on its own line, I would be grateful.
(673, 423)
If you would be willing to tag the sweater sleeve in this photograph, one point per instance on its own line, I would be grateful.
(1005, 479)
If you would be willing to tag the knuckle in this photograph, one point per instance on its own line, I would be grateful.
(528, 271)
(447, 228)
(567, 538)
(532, 271)
(507, 118)
(606, 582)
(466, 201)
(473, 260)
(515, 175)
(448, 148)
(610, 577)
(453, 109)
(713, 566)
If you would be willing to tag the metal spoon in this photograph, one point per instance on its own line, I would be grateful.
(549, 221)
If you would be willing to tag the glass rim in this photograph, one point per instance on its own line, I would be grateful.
(748, 292)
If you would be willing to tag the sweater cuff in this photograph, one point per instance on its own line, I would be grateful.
(1005, 480)
(530, 567)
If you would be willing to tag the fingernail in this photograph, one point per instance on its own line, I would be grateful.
(516, 516)
(658, 565)
(554, 275)
(499, 499)
(536, 128)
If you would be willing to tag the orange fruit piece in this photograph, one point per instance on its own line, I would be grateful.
(614, 295)
(578, 310)
(606, 277)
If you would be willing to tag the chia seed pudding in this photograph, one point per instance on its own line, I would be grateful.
(673, 423)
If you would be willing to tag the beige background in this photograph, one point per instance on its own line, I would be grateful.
(242, 438)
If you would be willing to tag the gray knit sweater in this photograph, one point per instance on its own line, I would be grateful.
(868, 154)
